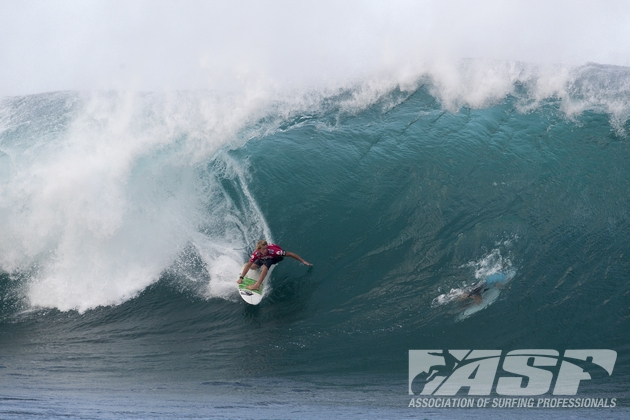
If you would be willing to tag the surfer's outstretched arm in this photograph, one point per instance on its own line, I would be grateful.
(297, 257)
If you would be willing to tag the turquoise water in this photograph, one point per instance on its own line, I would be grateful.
(125, 219)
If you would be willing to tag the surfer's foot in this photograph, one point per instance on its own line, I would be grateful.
(254, 286)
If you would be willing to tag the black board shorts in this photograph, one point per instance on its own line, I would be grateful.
(268, 262)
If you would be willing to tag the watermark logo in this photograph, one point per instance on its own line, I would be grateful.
(517, 373)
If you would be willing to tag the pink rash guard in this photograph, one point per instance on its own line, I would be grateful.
(274, 251)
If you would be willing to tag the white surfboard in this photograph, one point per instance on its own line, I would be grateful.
(253, 297)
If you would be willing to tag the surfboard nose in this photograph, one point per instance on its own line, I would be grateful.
(495, 278)
(500, 278)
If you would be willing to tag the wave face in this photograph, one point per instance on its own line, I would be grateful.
(124, 220)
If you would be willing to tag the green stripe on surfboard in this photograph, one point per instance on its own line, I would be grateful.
(248, 282)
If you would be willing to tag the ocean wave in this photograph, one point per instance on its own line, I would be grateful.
(104, 192)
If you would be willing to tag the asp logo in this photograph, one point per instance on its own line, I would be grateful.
(524, 372)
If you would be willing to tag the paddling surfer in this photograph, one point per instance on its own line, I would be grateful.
(476, 293)
(265, 256)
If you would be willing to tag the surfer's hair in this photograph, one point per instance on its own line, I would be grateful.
(260, 244)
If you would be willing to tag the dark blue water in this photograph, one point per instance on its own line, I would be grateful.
(124, 222)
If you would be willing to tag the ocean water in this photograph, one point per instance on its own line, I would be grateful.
(125, 219)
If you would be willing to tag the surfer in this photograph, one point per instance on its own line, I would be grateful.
(266, 255)
(495, 280)
(475, 293)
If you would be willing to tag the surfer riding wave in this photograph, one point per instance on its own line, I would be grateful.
(265, 256)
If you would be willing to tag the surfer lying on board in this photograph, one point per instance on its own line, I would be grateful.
(475, 293)
(495, 280)
(266, 255)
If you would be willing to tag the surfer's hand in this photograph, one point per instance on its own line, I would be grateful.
(307, 263)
